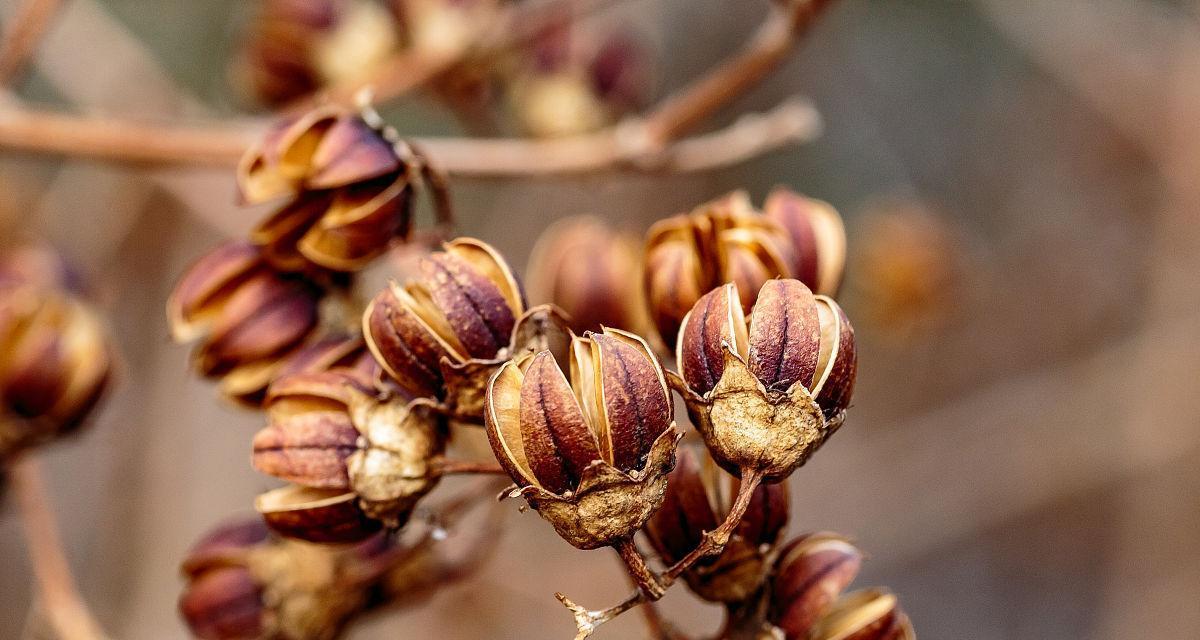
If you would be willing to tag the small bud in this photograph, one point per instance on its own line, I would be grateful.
(590, 454)
(766, 396)
(870, 614)
(55, 363)
(349, 192)
(817, 238)
(697, 500)
(444, 334)
(725, 240)
(588, 270)
(247, 318)
(810, 573)
(358, 463)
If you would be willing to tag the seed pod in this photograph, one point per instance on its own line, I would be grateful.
(817, 238)
(870, 614)
(810, 573)
(55, 362)
(444, 334)
(725, 240)
(246, 318)
(244, 584)
(358, 463)
(587, 269)
(697, 500)
(590, 455)
(292, 48)
(349, 193)
(767, 395)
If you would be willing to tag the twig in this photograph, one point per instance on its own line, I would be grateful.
(63, 605)
(461, 467)
(28, 24)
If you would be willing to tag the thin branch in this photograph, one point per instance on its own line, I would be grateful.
(64, 607)
(28, 24)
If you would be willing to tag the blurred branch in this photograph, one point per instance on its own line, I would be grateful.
(26, 27)
(63, 605)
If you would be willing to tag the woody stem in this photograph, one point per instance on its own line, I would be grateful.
(462, 467)
(639, 571)
(64, 607)
(715, 540)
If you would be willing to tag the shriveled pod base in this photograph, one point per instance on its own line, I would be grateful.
(308, 589)
(733, 577)
(393, 467)
(609, 505)
(747, 426)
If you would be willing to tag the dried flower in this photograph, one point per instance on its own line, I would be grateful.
(444, 334)
(55, 360)
(349, 192)
(817, 238)
(720, 241)
(292, 48)
(358, 462)
(697, 500)
(246, 317)
(810, 573)
(592, 454)
(764, 397)
(588, 269)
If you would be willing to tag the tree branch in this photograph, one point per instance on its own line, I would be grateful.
(66, 610)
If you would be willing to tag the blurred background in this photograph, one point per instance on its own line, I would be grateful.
(1019, 184)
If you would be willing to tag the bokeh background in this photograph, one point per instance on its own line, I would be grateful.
(1023, 456)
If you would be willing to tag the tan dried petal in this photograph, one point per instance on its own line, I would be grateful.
(837, 367)
(502, 421)
(359, 224)
(350, 151)
(785, 335)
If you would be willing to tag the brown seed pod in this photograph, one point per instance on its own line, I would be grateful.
(587, 269)
(870, 614)
(817, 238)
(698, 498)
(246, 318)
(55, 361)
(358, 462)
(349, 193)
(766, 396)
(590, 454)
(810, 573)
(443, 335)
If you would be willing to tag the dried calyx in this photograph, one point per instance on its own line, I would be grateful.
(806, 601)
(765, 394)
(586, 268)
(727, 240)
(444, 334)
(358, 460)
(55, 354)
(347, 183)
(589, 453)
(698, 499)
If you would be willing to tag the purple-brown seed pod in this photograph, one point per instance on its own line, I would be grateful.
(767, 393)
(810, 573)
(698, 498)
(817, 238)
(591, 453)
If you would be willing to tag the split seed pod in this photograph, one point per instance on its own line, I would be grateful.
(816, 236)
(810, 573)
(357, 462)
(586, 268)
(697, 500)
(591, 454)
(765, 396)
(55, 362)
(444, 335)
(246, 317)
(348, 191)
(721, 241)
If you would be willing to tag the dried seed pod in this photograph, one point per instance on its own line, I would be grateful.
(444, 334)
(358, 462)
(721, 241)
(349, 192)
(698, 498)
(590, 455)
(247, 318)
(817, 238)
(810, 573)
(870, 614)
(55, 360)
(292, 48)
(588, 269)
(766, 396)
